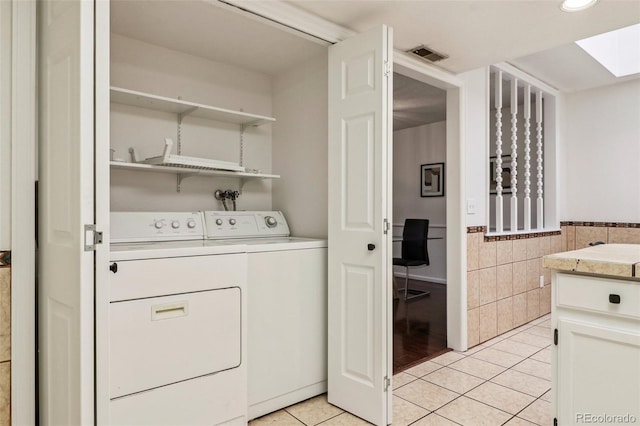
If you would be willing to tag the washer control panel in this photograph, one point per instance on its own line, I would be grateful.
(127, 227)
(243, 224)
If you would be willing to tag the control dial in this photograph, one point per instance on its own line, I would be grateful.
(191, 224)
(232, 221)
(219, 222)
(159, 225)
(270, 221)
(175, 224)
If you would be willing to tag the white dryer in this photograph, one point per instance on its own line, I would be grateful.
(287, 307)
(177, 323)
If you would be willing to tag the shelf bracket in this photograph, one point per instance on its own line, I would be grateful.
(242, 128)
(180, 117)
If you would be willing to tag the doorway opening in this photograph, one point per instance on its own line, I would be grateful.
(419, 192)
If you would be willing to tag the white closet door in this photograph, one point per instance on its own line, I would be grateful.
(66, 204)
(359, 362)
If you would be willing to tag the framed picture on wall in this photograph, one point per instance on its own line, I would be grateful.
(432, 180)
(506, 174)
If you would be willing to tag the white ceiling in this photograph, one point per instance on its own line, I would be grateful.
(533, 35)
(476, 33)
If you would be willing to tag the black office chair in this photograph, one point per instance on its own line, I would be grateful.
(414, 252)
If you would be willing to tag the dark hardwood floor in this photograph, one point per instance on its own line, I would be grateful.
(419, 325)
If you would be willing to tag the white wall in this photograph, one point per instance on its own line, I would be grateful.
(601, 154)
(411, 148)
(5, 128)
(476, 133)
(300, 147)
(148, 68)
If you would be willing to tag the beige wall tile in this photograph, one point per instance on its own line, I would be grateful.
(545, 245)
(504, 251)
(488, 284)
(504, 286)
(545, 299)
(519, 309)
(473, 250)
(556, 244)
(473, 289)
(546, 272)
(533, 248)
(533, 273)
(504, 311)
(5, 314)
(488, 254)
(589, 234)
(533, 304)
(519, 277)
(624, 235)
(519, 250)
(5, 394)
(571, 237)
(488, 322)
(473, 327)
(563, 238)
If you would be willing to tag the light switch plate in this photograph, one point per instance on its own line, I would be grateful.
(472, 206)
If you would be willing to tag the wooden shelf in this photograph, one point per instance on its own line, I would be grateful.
(177, 106)
(119, 165)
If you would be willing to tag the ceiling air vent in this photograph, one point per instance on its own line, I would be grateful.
(427, 54)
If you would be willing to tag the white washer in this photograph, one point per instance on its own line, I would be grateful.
(287, 307)
(177, 323)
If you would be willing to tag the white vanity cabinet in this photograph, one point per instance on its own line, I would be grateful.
(596, 355)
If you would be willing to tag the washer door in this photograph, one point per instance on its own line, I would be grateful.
(163, 340)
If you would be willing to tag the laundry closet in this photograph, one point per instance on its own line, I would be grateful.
(182, 101)
(213, 111)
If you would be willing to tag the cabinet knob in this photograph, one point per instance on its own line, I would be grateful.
(614, 298)
(113, 267)
(371, 247)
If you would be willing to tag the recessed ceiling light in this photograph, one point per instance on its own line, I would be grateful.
(618, 50)
(576, 5)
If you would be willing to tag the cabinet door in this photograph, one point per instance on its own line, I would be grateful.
(359, 270)
(598, 372)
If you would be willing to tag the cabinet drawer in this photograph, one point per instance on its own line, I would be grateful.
(598, 294)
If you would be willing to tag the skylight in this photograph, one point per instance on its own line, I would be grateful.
(618, 51)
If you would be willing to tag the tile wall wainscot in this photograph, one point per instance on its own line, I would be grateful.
(503, 281)
(5, 338)
(577, 235)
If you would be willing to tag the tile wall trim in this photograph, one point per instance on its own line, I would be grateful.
(5, 259)
(490, 238)
(475, 229)
(602, 224)
(520, 236)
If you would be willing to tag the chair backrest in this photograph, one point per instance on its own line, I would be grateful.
(414, 240)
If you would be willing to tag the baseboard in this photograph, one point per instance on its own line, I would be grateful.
(422, 278)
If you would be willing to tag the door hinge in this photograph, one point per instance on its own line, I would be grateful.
(387, 383)
(386, 226)
(91, 237)
(555, 337)
(387, 68)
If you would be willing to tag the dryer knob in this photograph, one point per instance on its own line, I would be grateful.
(232, 221)
(219, 222)
(191, 224)
(175, 224)
(159, 225)
(270, 221)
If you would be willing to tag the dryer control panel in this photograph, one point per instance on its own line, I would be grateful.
(243, 224)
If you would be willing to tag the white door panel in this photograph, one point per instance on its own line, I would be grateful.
(66, 203)
(359, 199)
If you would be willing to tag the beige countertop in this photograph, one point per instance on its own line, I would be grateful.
(618, 260)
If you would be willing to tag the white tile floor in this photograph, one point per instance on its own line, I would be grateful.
(505, 381)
